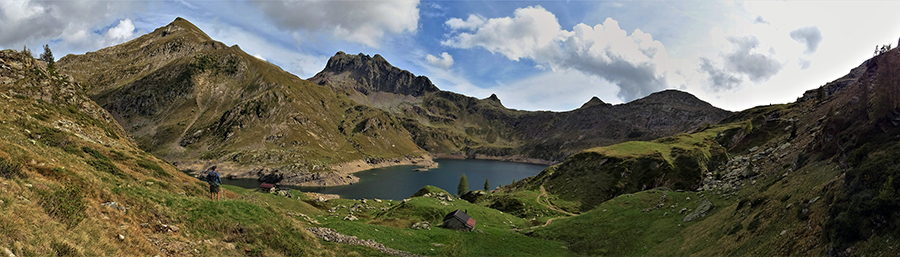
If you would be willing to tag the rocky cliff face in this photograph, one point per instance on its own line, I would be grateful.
(196, 102)
(372, 74)
(452, 124)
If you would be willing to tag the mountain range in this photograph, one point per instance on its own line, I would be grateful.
(197, 102)
(95, 151)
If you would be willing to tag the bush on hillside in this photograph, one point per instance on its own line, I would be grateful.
(10, 170)
(65, 204)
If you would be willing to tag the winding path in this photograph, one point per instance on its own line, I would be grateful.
(550, 205)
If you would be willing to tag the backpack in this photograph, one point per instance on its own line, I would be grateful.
(212, 177)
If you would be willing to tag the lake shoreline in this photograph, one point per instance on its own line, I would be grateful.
(342, 174)
(399, 182)
(506, 158)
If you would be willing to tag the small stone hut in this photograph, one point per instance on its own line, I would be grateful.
(266, 187)
(459, 220)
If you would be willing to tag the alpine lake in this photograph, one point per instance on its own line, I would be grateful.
(399, 182)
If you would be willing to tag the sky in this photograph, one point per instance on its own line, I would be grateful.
(534, 55)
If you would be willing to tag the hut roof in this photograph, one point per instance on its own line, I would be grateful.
(461, 217)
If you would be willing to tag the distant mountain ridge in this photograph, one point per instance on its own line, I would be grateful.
(448, 123)
(197, 102)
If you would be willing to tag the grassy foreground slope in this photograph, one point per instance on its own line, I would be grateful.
(73, 184)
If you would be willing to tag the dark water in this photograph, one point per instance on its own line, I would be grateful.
(400, 182)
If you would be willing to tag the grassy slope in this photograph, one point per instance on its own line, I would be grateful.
(186, 97)
(598, 174)
(494, 235)
(54, 175)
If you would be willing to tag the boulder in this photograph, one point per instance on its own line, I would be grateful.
(701, 211)
(473, 196)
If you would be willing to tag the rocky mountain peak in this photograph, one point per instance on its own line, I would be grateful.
(181, 26)
(370, 74)
(593, 102)
(672, 96)
(494, 98)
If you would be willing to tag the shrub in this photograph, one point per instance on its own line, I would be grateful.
(65, 204)
(100, 162)
(9, 169)
(152, 166)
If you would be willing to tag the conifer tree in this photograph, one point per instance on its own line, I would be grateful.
(463, 185)
(47, 57)
(27, 51)
(487, 184)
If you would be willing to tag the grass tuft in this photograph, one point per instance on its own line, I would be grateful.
(65, 204)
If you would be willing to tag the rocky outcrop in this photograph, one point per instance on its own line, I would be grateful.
(372, 74)
(700, 212)
(593, 102)
(833, 87)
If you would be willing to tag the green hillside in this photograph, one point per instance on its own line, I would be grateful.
(196, 102)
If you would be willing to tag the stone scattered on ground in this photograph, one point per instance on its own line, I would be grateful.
(115, 205)
(701, 211)
(440, 196)
(350, 217)
(422, 225)
(331, 235)
(165, 228)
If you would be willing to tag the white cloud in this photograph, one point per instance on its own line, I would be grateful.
(757, 66)
(443, 62)
(470, 23)
(804, 63)
(38, 22)
(19, 10)
(810, 36)
(258, 56)
(523, 36)
(363, 22)
(635, 63)
(125, 30)
(759, 19)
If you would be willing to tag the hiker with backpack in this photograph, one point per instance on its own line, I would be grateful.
(212, 177)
